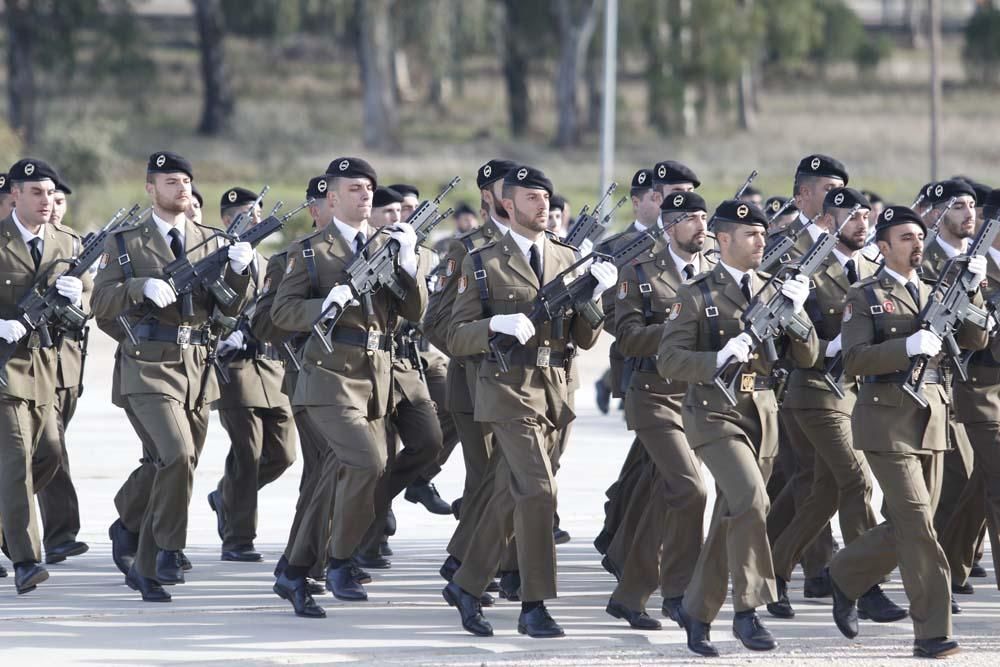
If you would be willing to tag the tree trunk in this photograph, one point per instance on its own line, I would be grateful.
(592, 77)
(747, 113)
(575, 35)
(218, 102)
(22, 109)
(381, 126)
(515, 66)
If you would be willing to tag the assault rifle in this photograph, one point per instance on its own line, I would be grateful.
(242, 220)
(589, 225)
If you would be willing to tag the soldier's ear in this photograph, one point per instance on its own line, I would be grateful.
(150, 188)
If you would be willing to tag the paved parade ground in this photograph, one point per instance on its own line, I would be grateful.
(227, 612)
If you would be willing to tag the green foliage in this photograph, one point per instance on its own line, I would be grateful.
(842, 35)
(981, 52)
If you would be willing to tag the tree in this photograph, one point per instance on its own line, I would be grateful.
(576, 20)
(218, 104)
(22, 24)
(516, 47)
(381, 125)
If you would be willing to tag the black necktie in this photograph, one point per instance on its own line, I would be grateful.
(36, 251)
(688, 272)
(914, 294)
(851, 270)
(536, 262)
(176, 243)
(745, 286)
(359, 244)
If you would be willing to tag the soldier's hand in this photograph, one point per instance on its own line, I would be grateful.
(12, 330)
(922, 342)
(240, 256)
(159, 292)
(403, 233)
(606, 275)
(233, 341)
(797, 291)
(737, 348)
(586, 247)
(340, 295)
(517, 325)
(834, 346)
(70, 287)
(977, 266)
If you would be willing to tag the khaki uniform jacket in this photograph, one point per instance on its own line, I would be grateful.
(687, 353)
(350, 376)
(263, 326)
(160, 367)
(31, 371)
(978, 400)
(885, 418)
(523, 391)
(652, 399)
(70, 358)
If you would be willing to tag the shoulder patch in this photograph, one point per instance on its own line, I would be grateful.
(267, 285)
(291, 265)
(675, 311)
(622, 289)
(848, 312)
(104, 261)
(463, 284)
(449, 269)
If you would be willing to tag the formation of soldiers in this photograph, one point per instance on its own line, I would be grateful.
(799, 348)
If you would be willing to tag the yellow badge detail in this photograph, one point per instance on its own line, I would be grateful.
(675, 310)
(463, 284)
(291, 265)
(622, 290)
(848, 312)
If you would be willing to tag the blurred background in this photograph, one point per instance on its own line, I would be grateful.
(261, 92)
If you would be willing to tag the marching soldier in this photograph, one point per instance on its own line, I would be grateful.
(525, 406)
(252, 408)
(903, 442)
(6, 198)
(737, 443)
(163, 372)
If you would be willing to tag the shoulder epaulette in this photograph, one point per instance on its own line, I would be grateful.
(472, 233)
(67, 230)
(483, 247)
(871, 280)
(314, 233)
(763, 275)
(698, 278)
(558, 241)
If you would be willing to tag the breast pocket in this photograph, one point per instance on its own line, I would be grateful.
(508, 299)
(13, 285)
(723, 328)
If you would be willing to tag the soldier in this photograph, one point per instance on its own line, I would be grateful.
(902, 441)
(647, 292)
(465, 219)
(197, 203)
(779, 223)
(525, 406)
(754, 196)
(346, 393)
(6, 198)
(163, 374)
(253, 410)
(737, 443)
(410, 198)
(816, 418)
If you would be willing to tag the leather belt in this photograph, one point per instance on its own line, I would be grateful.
(645, 364)
(931, 376)
(540, 357)
(182, 335)
(370, 340)
(750, 382)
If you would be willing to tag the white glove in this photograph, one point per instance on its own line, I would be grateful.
(586, 247)
(240, 256)
(159, 292)
(977, 266)
(342, 295)
(738, 348)
(71, 288)
(833, 347)
(234, 341)
(407, 239)
(12, 330)
(797, 290)
(606, 275)
(922, 342)
(517, 325)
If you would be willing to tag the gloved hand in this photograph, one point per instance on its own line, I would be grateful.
(12, 330)
(342, 295)
(586, 247)
(606, 275)
(159, 292)
(977, 266)
(922, 342)
(407, 239)
(71, 288)
(234, 341)
(240, 256)
(833, 347)
(738, 348)
(797, 289)
(517, 325)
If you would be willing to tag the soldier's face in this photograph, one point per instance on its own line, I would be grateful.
(410, 203)
(961, 219)
(171, 192)
(903, 247)
(33, 201)
(6, 205)
(855, 231)
(465, 222)
(668, 188)
(743, 247)
(351, 199)
(58, 207)
(319, 210)
(232, 213)
(387, 215)
(782, 221)
(690, 234)
(529, 208)
(812, 192)
(555, 222)
(756, 200)
(647, 207)
(877, 208)
(194, 211)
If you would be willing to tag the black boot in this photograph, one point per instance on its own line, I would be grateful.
(699, 634)
(150, 590)
(296, 592)
(977, 571)
(845, 611)
(28, 575)
(124, 544)
(602, 396)
(424, 493)
(244, 553)
(955, 607)
(215, 503)
(449, 568)
(372, 560)
(61, 552)
(637, 619)
(538, 623)
(341, 583)
(749, 630)
(817, 587)
(781, 608)
(936, 647)
(510, 586)
(962, 589)
(468, 609)
(671, 608)
(169, 570)
(876, 606)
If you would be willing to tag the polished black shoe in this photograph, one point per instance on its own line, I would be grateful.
(611, 567)
(124, 544)
(449, 568)
(486, 600)
(340, 582)
(817, 587)
(699, 635)
(244, 553)
(168, 568)
(27, 576)
(390, 523)
(955, 607)
(845, 612)
(456, 508)
(185, 562)
(493, 586)
(876, 606)
(315, 587)
(671, 609)
(510, 586)
(603, 397)
(469, 610)
(539, 623)
(280, 566)
(359, 575)
(751, 632)
(560, 536)
(935, 647)
(297, 592)
(150, 590)
(384, 549)
(962, 589)
(424, 493)
(3, 572)
(781, 608)
(602, 542)
(372, 560)
(215, 502)
(61, 552)
(639, 620)
(977, 571)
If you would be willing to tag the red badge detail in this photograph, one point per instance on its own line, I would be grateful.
(889, 307)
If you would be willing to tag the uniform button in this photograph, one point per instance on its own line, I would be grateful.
(645, 386)
(137, 352)
(831, 311)
(545, 343)
(370, 352)
(893, 329)
(496, 375)
(510, 296)
(6, 282)
(973, 379)
(704, 402)
(875, 399)
(754, 355)
(319, 363)
(721, 332)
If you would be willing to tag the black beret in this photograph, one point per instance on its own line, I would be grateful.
(236, 197)
(197, 195)
(683, 201)
(774, 204)
(671, 171)
(165, 162)
(982, 191)
(63, 187)
(352, 167)
(528, 177)
(991, 204)
(740, 212)
(926, 190)
(751, 191)
(317, 186)
(493, 171)
(463, 209)
(822, 165)
(872, 196)
(386, 196)
(943, 191)
(30, 169)
(405, 189)
(898, 215)
(4, 185)
(846, 198)
(557, 201)
(642, 179)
